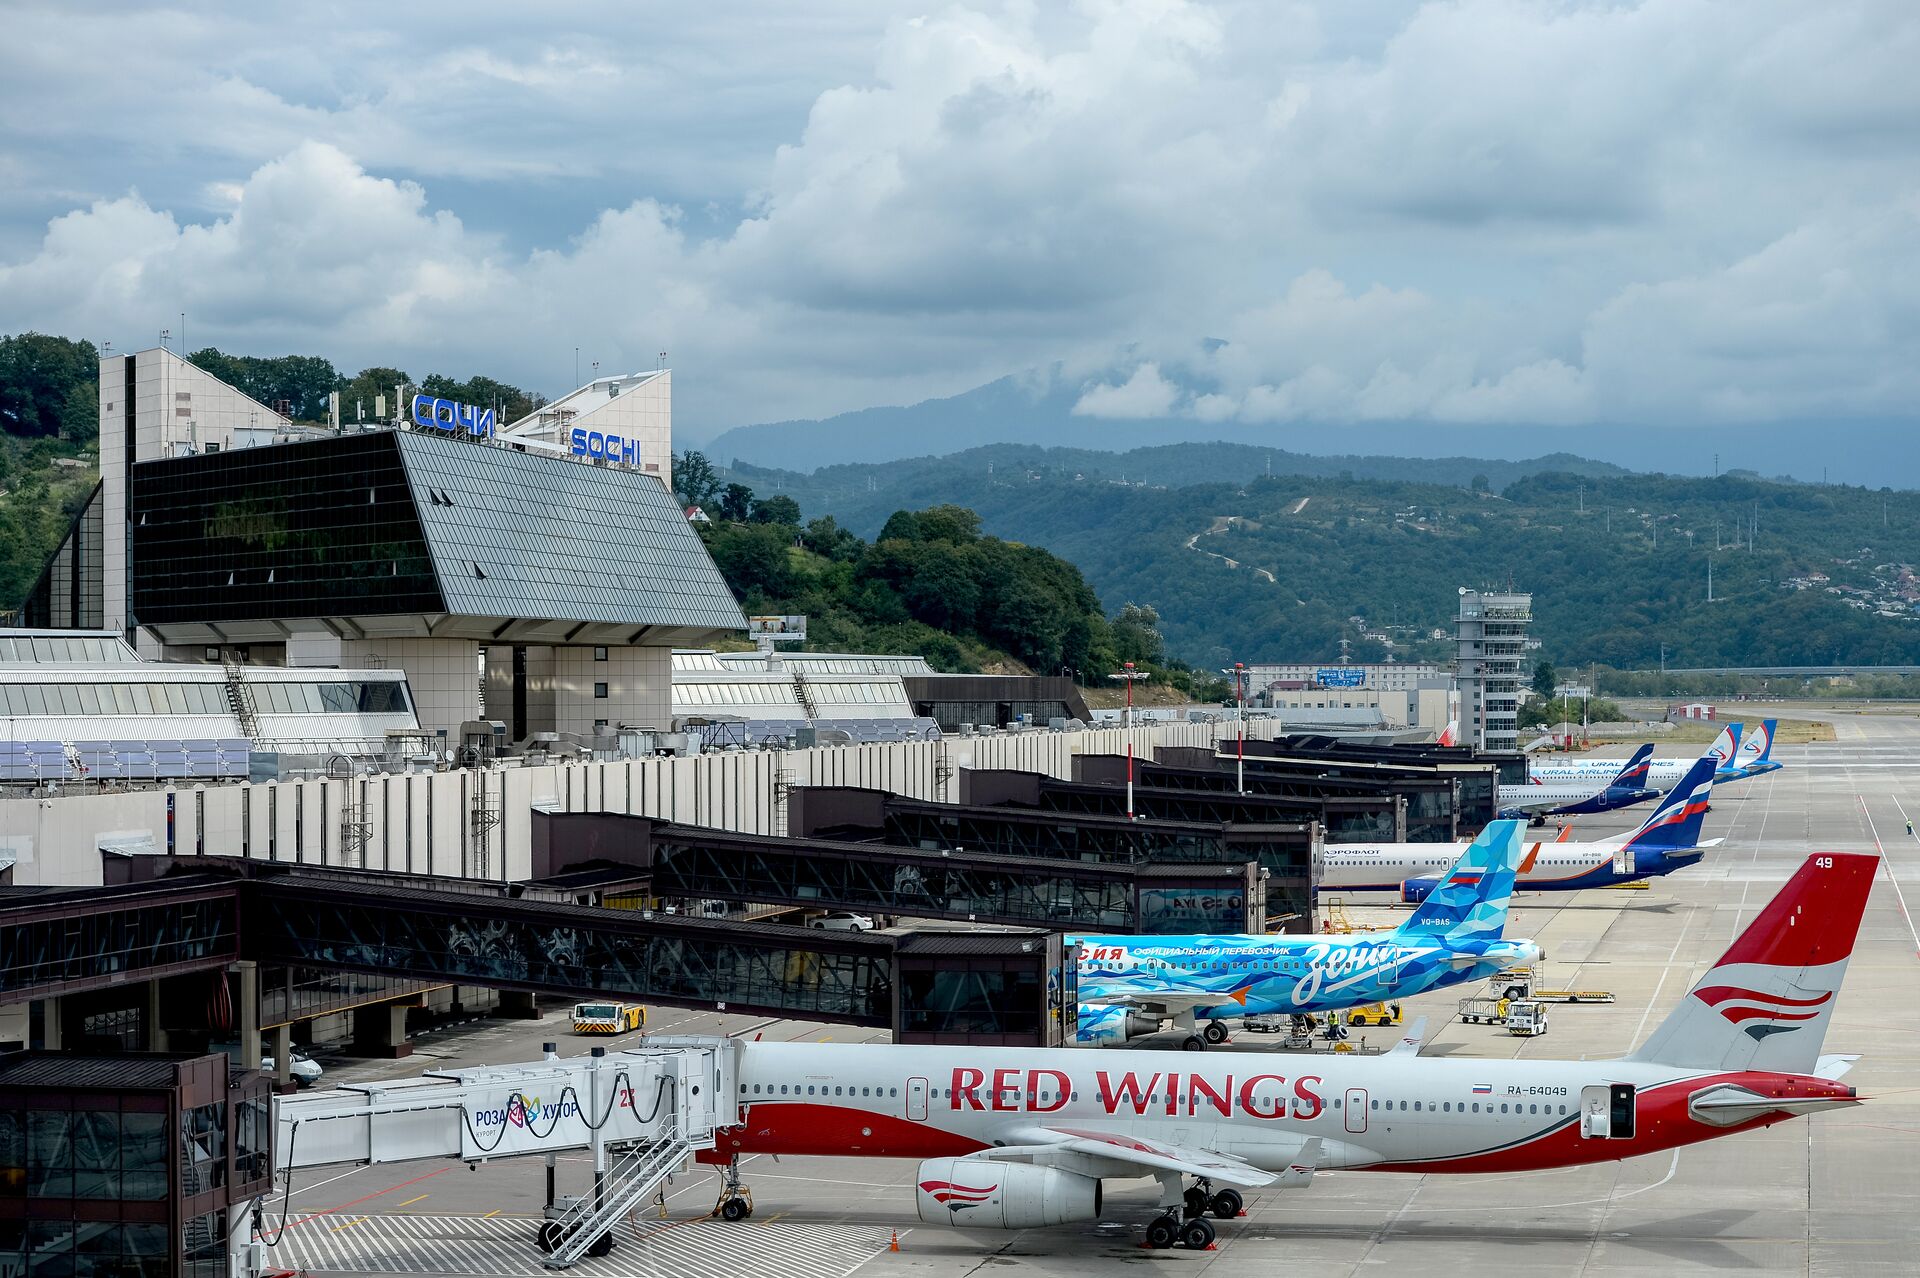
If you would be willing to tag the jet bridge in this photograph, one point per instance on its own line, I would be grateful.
(642, 1112)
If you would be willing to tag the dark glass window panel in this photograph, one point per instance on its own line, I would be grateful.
(289, 526)
(96, 1154)
(143, 1156)
(49, 1155)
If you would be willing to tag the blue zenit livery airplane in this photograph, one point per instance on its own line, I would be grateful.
(1130, 985)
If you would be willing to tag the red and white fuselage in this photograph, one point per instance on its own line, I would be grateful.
(1384, 1113)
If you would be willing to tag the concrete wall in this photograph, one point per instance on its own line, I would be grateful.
(424, 823)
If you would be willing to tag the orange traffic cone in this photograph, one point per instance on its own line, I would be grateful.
(895, 1244)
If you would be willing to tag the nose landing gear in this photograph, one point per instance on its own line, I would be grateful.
(736, 1200)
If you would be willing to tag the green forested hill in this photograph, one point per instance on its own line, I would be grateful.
(1618, 562)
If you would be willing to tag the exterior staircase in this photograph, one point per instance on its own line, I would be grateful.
(240, 700)
(636, 1176)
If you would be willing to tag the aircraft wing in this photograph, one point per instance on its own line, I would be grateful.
(1513, 802)
(1168, 1002)
(1049, 1143)
(1409, 1044)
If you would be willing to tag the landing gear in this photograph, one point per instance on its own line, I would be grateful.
(736, 1200)
(1197, 1234)
(1196, 1202)
(1194, 1043)
(1214, 1032)
(1162, 1232)
(1227, 1204)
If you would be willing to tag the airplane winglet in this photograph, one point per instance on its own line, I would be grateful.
(1410, 1042)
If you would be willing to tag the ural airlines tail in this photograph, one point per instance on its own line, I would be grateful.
(1663, 774)
(1668, 840)
(1132, 985)
(1019, 1137)
(1755, 756)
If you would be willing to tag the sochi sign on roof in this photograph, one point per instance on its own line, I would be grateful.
(432, 413)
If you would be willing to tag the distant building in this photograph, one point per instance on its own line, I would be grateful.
(1380, 676)
(1492, 634)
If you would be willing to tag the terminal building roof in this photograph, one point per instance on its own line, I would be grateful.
(403, 533)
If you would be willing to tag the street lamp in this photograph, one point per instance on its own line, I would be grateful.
(1239, 676)
(1129, 674)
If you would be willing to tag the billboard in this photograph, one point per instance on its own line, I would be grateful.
(1340, 677)
(554, 1114)
(777, 629)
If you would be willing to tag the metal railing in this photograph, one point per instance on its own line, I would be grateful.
(574, 1233)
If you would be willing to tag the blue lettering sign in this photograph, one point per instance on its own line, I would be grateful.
(1340, 677)
(445, 414)
(585, 443)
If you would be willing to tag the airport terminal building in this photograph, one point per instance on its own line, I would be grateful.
(223, 533)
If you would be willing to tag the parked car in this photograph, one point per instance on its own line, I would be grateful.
(842, 921)
(305, 1070)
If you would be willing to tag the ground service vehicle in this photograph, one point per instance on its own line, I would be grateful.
(608, 1018)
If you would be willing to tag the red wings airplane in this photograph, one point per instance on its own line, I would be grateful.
(1013, 1138)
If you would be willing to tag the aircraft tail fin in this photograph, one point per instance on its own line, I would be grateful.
(1767, 1003)
(1727, 745)
(1449, 735)
(1634, 775)
(1471, 902)
(1676, 822)
(1758, 747)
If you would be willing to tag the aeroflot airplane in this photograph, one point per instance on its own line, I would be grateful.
(1129, 985)
(1666, 841)
(1581, 794)
(1020, 1137)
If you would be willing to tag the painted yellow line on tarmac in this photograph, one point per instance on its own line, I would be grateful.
(411, 1201)
(490, 1215)
(349, 1225)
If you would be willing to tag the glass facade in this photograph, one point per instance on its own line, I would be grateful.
(70, 594)
(54, 650)
(90, 699)
(126, 1166)
(316, 529)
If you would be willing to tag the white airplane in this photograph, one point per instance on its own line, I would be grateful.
(1662, 774)
(1619, 786)
(1668, 840)
(1012, 1138)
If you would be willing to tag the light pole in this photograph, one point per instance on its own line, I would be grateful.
(1129, 741)
(1240, 694)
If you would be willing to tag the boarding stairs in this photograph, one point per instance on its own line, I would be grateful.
(579, 1230)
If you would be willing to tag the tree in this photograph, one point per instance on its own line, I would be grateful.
(39, 376)
(735, 502)
(1136, 634)
(1479, 484)
(779, 509)
(1545, 680)
(695, 479)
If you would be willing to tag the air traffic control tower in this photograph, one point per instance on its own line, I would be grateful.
(222, 531)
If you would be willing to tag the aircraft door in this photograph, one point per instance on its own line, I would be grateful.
(1607, 1111)
(917, 1099)
(1356, 1107)
(1623, 860)
(1620, 1111)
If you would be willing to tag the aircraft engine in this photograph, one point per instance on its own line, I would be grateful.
(1107, 1026)
(1414, 891)
(973, 1193)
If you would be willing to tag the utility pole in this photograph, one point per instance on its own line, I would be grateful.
(1240, 693)
(1709, 581)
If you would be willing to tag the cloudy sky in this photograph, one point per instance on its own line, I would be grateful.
(1255, 214)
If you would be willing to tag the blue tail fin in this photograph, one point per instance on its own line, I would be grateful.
(1766, 745)
(1676, 822)
(1471, 901)
(1634, 775)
